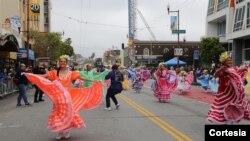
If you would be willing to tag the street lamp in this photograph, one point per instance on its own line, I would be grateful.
(178, 31)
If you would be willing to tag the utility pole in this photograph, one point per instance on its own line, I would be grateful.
(28, 31)
(178, 30)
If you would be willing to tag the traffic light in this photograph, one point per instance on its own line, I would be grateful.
(122, 45)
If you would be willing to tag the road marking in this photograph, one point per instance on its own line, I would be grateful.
(179, 136)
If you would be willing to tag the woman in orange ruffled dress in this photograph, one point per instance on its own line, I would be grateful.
(67, 100)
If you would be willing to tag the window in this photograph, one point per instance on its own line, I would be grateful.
(146, 51)
(248, 15)
(166, 50)
(46, 20)
(238, 18)
(222, 4)
(221, 28)
(210, 7)
(46, 8)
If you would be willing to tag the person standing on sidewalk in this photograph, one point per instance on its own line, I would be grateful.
(22, 83)
(230, 103)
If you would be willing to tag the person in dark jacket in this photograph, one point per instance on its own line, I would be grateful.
(115, 87)
(22, 85)
(38, 70)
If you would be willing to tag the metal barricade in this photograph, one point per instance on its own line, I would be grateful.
(7, 86)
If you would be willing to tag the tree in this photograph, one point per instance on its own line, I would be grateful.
(66, 47)
(210, 50)
(51, 45)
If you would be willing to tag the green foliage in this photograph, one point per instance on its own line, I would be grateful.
(210, 50)
(51, 45)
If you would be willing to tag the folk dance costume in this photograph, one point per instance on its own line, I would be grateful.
(131, 71)
(214, 84)
(90, 73)
(184, 81)
(162, 85)
(125, 83)
(67, 101)
(138, 81)
(172, 78)
(230, 104)
(204, 80)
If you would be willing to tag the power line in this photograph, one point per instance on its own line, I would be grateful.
(87, 22)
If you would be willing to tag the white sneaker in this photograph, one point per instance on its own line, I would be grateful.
(60, 135)
(66, 134)
(108, 109)
(117, 106)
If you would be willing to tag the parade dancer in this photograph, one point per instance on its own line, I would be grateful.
(92, 74)
(115, 87)
(131, 71)
(138, 81)
(184, 81)
(162, 86)
(213, 84)
(230, 103)
(125, 83)
(204, 80)
(172, 78)
(67, 101)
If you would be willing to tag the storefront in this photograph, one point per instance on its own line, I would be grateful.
(8, 50)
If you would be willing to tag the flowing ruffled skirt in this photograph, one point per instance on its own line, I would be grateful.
(162, 89)
(67, 102)
(126, 84)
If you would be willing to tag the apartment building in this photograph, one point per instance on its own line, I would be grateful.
(230, 21)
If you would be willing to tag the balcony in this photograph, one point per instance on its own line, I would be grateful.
(222, 5)
(210, 10)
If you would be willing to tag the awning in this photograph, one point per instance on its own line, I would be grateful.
(174, 61)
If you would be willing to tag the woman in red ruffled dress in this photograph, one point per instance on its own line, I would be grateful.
(230, 104)
(163, 87)
(67, 100)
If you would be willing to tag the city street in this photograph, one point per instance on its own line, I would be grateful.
(141, 117)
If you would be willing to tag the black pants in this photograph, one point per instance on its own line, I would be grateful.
(38, 91)
(111, 94)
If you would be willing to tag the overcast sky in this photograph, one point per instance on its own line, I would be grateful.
(97, 25)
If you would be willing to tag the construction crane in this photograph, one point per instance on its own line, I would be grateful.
(132, 14)
(132, 28)
(146, 24)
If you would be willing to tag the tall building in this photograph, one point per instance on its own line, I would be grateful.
(10, 40)
(35, 14)
(230, 21)
(39, 16)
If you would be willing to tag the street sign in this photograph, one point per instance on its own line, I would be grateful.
(180, 31)
(178, 51)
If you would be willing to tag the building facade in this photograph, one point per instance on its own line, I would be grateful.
(39, 16)
(10, 40)
(15, 17)
(229, 20)
(151, 53)
(35, 16)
